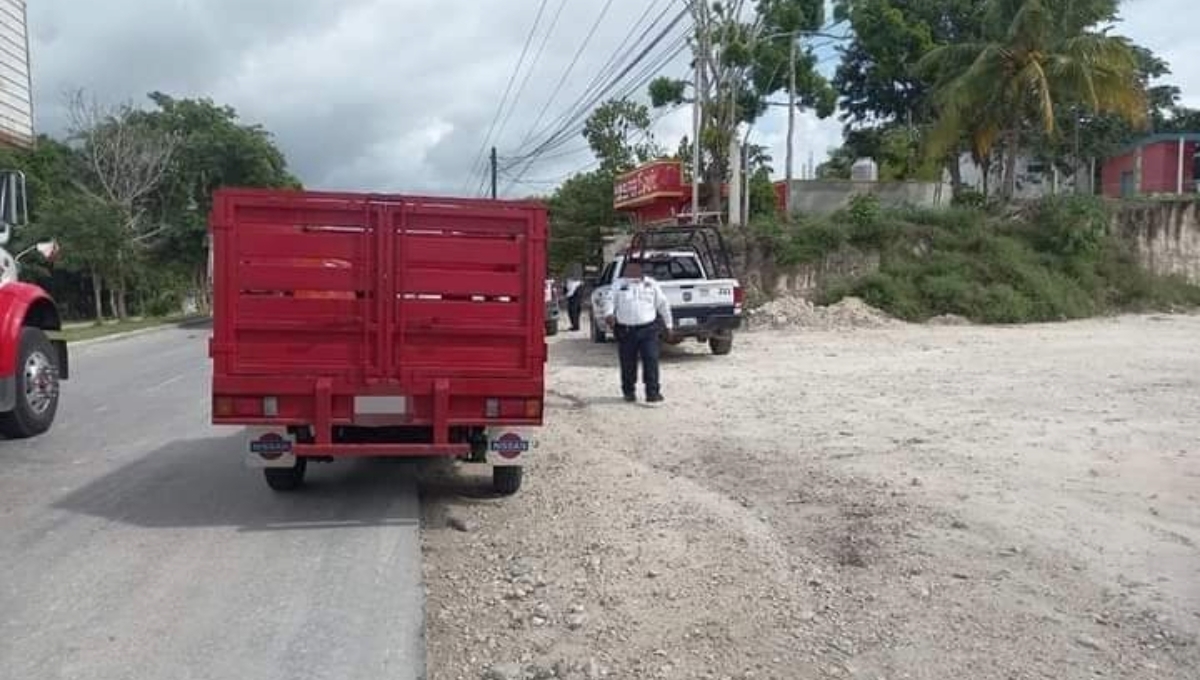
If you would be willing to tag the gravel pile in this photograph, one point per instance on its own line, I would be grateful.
(798, 313)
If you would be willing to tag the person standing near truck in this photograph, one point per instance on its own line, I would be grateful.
(574, 292)
(634, 312)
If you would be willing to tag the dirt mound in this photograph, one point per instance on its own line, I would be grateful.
(798, 313)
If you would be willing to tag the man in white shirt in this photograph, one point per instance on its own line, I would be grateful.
(636, 306)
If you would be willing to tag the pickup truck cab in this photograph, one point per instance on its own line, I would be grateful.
(706, 309)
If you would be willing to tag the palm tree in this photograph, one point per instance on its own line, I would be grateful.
(1034, 56)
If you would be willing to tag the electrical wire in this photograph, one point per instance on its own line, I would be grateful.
(570, 127)
(479, 158)
(571, 67)
(587, 98)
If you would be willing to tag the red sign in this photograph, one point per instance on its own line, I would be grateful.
(656, 180)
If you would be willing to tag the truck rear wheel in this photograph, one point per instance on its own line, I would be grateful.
(36, 388)
(721, 344)
(286, 479)
(506, 479)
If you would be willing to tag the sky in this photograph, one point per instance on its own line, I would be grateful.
(400, 95)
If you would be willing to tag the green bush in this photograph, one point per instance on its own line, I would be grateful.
(969, 198)
(1056, 262)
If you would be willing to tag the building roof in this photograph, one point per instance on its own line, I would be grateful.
(1157, 138)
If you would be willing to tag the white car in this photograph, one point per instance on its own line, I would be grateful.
(709, 310)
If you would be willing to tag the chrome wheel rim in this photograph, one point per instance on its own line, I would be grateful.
(41, 383)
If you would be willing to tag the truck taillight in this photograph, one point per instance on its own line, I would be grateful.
(739, 299)
(533, 408)
(241, 407)
(512, 408)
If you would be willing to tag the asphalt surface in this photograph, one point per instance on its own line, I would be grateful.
(135, 545)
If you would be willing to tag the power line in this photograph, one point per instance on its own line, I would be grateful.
(586, 100)
(571, 67)
(569, 127)
(642, 135)
(507, 90)
(533, 63)
(646, 74)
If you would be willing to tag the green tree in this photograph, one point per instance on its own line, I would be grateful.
(619, 135)
(881, 96)
(1034, 59)
(581, 215)
(581, 209)
(215, 149)
(744, 60)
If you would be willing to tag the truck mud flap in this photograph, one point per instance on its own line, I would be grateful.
(510, 446)
(267, 447)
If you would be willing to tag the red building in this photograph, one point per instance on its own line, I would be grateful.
(1158, 164)
(659, 191)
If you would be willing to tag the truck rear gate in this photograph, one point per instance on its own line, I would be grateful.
(378, 325)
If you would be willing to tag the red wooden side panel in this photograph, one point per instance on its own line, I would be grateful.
(370, 288)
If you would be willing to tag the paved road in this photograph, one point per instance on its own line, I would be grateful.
(135, 546)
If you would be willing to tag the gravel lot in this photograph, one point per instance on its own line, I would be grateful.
(942, 502)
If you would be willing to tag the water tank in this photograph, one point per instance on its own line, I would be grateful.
(864, 170)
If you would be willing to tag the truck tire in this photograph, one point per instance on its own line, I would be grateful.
(721, 345)
(36, 388)
(286, 479)
(506, 479)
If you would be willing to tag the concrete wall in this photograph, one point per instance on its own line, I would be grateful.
(756, 269)
(1165, 235)
(826, 196)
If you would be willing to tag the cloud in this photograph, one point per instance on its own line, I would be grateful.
(399, 96)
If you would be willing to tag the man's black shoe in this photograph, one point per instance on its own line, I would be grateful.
(654, 399)
(631, 398)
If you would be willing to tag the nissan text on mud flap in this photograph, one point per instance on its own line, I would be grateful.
(349, 325)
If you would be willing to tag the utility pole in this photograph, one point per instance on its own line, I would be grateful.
(791, 123)
(494, 173)
(746, 177)
(698, 85)
(735, 180)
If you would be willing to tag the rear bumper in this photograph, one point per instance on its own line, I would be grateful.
(705, 322)
(382, 450)
(336, 419)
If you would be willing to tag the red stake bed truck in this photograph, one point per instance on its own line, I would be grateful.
(354, 325)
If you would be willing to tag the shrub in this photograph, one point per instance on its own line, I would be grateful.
(1055, 261)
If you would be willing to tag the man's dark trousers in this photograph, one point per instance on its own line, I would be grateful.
(639, 342)
(574, 307)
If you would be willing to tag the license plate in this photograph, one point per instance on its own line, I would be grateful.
(685, 323)
(380, 406)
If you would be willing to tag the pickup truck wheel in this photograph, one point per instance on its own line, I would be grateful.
(721, 344)
(36, 388)
(286, 479)
(598, 335)
(506, 479)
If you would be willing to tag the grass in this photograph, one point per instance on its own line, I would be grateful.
(78, 332)
(1054, 261)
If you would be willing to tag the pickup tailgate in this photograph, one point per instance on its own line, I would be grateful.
(688, 296)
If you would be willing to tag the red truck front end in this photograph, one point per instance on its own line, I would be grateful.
(353, 325)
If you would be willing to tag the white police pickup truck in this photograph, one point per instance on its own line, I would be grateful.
(706, 309)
